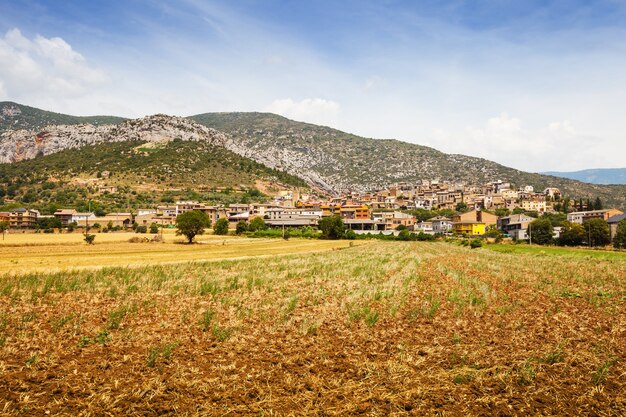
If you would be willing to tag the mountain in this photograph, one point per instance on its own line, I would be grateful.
(17, 116)
(18, 145)
(341, 161)
(594, 176)
(326, 158)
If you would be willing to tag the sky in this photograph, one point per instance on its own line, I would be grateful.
(535, 85)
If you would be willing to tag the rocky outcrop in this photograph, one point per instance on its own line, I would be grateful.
(18, 145)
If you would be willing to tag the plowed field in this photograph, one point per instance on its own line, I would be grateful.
(385, 328)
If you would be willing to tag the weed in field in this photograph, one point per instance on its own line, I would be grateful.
(102, 337)
(371, 318)
(116, 316)
(206, 319)
(599, 375)
(58, 323)
(526, 373)
(463, 378)
(291, 306)
(165, 351)
(84, 341)
(31, 360)
(221, 333)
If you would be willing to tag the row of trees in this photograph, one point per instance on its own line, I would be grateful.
(594, 232)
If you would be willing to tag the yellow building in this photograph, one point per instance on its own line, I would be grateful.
(468, 228)
(474, 222)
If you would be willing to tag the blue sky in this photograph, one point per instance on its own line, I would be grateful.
(534, 85)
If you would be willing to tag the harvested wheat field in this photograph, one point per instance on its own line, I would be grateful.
(60, 252)
(386, 328)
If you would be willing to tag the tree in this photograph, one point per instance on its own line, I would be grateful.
(350, 234)
(597, 232)
(404, 235)
(4, 226)
(332, 227)
(619, 241)
(461, 207)
(89, 238)
(501, 212)
(192, 223)
(598, 204)
(572, 234)
(540, 231)
(221, 227)
(241, 228)
(257, 223)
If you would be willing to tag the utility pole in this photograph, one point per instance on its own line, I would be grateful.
(530, 234)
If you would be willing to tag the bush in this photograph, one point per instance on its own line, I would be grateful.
(221, 227)
(241, 228)
(332, 227)
(475, 243)
(89, 238)
(154, 228)
(257, 223)
(350, 234)
(141, 229)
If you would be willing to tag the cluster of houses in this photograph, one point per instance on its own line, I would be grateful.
(383, 211)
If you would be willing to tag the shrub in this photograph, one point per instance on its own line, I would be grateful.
(242, 227)
(257, 223)
(154, 228)
(221, 227)
(141, 229)
(475, 243)
(332, 227)
(350, 234)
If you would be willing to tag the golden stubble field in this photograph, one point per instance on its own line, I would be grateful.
(30, 252)
(385, 328)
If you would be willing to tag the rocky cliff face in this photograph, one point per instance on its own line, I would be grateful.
(18, 145)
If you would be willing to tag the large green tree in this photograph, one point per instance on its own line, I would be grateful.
(572, 234)
(541, 231)
(597, 232)
(192, 223)
(257, 223)
(619, 241)
(332, 227)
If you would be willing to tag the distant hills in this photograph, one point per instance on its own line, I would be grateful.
(595, 176)
(325, 158)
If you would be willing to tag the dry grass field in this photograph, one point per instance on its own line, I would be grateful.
(24, 253)
(385, 328)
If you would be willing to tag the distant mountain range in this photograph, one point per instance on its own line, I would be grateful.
(594, 176)
(325, 158)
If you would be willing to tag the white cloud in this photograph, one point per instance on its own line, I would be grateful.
(312, 110)
(43, 67)
(557, 146)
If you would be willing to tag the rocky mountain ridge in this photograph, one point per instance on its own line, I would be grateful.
(18, 145)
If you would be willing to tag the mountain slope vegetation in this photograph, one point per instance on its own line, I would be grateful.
(342, 162)
(17, 116)
(138, 174)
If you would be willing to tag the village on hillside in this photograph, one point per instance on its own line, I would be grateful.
(431, 208)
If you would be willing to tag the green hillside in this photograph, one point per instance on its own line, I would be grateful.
(33, 118)
(144, 174)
